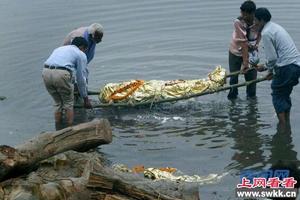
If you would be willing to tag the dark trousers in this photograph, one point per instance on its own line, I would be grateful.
(235, 64)
(284, 79)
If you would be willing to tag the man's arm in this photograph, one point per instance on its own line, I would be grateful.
(245, 55)
(81, 82)
(91, 53)
(261, 68)
(270, 51)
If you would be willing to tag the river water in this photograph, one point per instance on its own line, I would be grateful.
(158, 39)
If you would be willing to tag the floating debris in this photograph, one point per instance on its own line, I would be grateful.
(169, 173)
(2, 98)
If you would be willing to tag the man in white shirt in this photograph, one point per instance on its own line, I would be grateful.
(282, 61)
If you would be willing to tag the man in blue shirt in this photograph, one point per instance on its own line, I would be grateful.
(93, 35)
(65, 65)
(283, 63)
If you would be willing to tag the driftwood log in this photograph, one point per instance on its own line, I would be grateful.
(76, 176)
(20, 159)
(72, 175)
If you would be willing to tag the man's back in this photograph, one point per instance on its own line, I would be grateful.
(66, 56)
(79, 32)
(280, 45)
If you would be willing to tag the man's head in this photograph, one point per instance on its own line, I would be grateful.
(261, 17)
(80, 42)
(247, 11)
(96, 32)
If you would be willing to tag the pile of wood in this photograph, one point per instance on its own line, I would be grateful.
(54, 166)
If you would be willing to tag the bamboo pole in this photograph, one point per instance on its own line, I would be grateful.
(93, 93)
(239, 72)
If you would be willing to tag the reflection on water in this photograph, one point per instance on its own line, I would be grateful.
(195, 135)
(282, 148)
(248, 143)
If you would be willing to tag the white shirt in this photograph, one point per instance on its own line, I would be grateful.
(280, 49)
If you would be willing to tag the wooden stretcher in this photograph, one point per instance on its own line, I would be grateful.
(184, 97)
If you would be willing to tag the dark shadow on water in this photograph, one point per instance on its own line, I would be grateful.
(181, 119)
(248, 143)
(59, 126)
(84, 115)
(282, 147)
(283, 157)
(251, 146)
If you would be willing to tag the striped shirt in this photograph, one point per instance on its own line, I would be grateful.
(242, 33)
